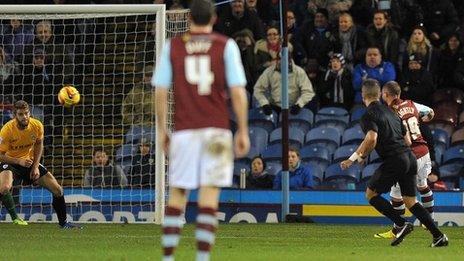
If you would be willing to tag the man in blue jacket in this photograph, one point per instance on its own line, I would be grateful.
(373, 68)
(300, 176)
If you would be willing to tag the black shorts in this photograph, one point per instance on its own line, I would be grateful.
(21, 173)
(401, 168)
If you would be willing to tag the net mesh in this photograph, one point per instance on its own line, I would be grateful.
(109, 58)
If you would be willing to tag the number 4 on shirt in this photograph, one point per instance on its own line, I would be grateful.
(198, 72)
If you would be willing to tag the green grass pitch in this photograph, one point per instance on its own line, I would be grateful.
(234, 242)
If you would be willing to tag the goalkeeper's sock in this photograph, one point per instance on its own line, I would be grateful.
(426, 196)
(9, 204)
(424, 217)
(384, 207)
(205, 232)
(172, 225)
(60, 208)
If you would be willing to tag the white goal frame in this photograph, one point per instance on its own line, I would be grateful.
(12, 11)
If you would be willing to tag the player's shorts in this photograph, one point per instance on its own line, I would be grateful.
(401, 169)
(21, 173)
(201, 157)
(424, 168)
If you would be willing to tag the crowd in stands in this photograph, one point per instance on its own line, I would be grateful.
(333, 44)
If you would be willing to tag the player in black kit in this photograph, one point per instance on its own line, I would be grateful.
(385, 132)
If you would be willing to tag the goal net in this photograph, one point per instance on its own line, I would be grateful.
(103, 150)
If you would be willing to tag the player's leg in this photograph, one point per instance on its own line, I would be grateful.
(398, 205)
(408, 190)
(380, 183)
(173, 223)
(216, 171)
(49, 182)
(184, 155)
(424, 168)
(206, 221)
(6, 181)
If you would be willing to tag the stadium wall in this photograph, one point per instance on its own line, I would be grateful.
(137, 206)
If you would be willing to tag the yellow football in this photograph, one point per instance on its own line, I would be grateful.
(69, 96)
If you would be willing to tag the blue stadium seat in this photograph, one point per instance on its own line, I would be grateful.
(125, 152)
(344, 152)
(443, 126)
(374, 157)
(439, 154)
(316, 154)
(314, 151)
(450, 174)
(327, 137)
(137, 132)
(440, 136)
(273, 167)
(302, 120)
(273, 153)
(337, 113)
(316, 171)
(357, 113)
(342, 179)
(353, 135)
(253, 152)
(257, 118)
(454, 154)
(240, 164)
(258, 138)
(295, 136)
(369, 170)
(332, 123)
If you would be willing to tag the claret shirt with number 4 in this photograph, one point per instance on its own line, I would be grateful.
(200, 67)
(18, 143)
(409, 113)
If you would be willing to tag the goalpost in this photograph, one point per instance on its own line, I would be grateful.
(105, 52)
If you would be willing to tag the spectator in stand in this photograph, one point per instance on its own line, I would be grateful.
(258, 178)
(334, 7)
(37, 85)
(363, 11)
(382, 34)
(267, 50)
(8, 70)
(142, 170)
(267, 88)
(267, 10)
(350, 41)
(337, 88)
(292, 26)
(459, 74)
(316, 38)
(237, 18)
(419, 43)
(14, 36)
(404, 14)
(57, 55)
(440, 19)
(316, 75)
(373, 68)
(417, 82)
(449, 58)
(103, 173)
(137, 106)
(246, 44)
(300, 176)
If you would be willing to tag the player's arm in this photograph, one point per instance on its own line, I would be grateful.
(162, 81)
(236, 80)
(38, 149)
(9, 160)
(426, 113)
